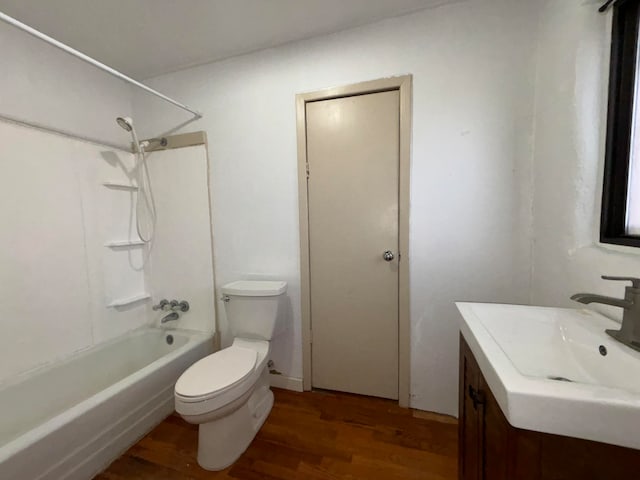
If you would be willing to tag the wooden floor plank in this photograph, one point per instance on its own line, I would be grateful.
(309, 436)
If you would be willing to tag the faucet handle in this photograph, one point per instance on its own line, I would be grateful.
(634, 281)
(182, 306)
(161, 306)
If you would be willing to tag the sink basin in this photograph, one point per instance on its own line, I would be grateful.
(555, 370)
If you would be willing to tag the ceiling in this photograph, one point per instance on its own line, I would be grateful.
(145, 38)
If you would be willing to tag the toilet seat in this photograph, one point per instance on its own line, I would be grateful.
(216, 374)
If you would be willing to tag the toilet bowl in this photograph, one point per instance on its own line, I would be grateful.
(227, 393)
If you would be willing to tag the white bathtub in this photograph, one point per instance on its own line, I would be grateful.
(71, 419)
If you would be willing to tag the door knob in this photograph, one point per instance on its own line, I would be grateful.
(388, 256)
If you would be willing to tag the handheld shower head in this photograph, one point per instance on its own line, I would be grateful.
(125, 122)
(145, 193)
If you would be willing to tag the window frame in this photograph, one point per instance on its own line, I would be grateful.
(622, 89)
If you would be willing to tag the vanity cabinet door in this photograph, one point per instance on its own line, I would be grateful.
(470, 418)
(483, 431)
(496, 444)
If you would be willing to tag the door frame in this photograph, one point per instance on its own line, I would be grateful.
(403, 84)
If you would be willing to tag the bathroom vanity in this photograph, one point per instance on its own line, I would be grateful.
(540, 397)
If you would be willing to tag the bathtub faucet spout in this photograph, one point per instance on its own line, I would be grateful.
(171, 317)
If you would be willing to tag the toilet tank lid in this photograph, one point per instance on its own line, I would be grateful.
(255, 288)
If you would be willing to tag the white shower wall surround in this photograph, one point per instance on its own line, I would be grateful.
(181, 264)
(59, 273)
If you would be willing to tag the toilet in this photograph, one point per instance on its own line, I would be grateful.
(227, 393)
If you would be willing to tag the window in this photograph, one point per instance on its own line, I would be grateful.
(621, 195)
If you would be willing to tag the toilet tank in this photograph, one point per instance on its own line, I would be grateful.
(254, 307)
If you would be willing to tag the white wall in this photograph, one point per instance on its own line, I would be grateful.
(571, 103)
(470, 220)
(180, 265)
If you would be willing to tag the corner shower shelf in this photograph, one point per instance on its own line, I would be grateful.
(124, 243)
(121, 302)
(120, 185)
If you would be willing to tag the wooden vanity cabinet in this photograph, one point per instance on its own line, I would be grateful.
(491, 449)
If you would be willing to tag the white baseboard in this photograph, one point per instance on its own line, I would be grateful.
(287, 383)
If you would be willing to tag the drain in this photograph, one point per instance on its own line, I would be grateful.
(559, 379)
(603, 350)
(169, 339)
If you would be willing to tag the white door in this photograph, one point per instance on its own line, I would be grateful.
(353, 156)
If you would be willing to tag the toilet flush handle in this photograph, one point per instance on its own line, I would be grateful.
(225, 298)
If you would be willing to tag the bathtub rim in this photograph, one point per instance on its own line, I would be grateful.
(61, 360)
(30, 437)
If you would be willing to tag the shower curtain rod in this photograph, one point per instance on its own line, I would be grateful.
(85, 58)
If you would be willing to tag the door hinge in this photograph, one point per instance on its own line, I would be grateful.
(310, 336)
(307, 167)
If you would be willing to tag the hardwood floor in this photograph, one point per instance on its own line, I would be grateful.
(311, 435)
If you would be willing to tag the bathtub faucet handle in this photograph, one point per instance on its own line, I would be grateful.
(161, 306)
(182, 306)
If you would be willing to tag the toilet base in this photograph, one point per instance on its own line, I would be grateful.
(222, 441)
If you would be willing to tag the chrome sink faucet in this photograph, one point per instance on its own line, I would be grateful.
(629, 334)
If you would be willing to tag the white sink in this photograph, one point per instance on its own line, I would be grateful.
(548, 373)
